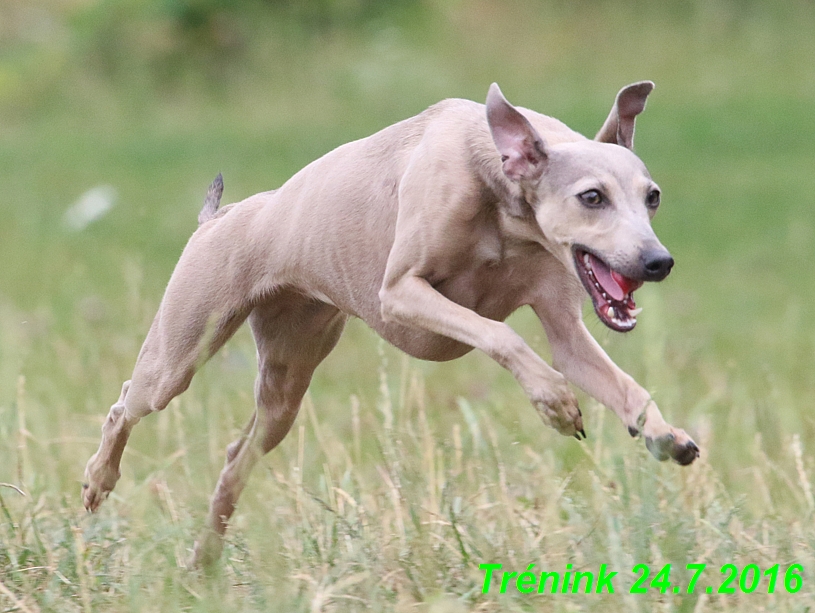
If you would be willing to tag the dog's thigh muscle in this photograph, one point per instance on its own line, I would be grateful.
(206, 301)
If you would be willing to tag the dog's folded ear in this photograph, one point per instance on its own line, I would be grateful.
(522, 149)
(619, 127)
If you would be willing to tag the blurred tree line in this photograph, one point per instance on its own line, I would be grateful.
(161, 41)
(77, 53)
(175, 32)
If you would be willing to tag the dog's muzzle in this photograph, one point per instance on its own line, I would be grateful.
(611, 291)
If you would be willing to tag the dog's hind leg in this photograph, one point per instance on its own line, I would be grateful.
(293, 335)
(200, 311)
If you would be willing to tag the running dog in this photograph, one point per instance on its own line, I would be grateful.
(433, 231)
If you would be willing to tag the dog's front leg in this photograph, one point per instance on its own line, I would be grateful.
(411, 300)
(580, 358)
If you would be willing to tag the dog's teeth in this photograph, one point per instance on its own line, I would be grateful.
(605, 295)
(611, 312)
(586, 259)
(636, 312)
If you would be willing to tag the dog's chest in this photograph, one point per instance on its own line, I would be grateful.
(492, 280)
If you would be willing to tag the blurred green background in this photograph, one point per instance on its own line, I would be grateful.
(150, 99)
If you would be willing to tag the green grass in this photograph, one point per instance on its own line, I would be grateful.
(400, 477)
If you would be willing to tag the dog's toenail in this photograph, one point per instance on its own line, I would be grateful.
(633, 431)
(583, 432)
(85, 486)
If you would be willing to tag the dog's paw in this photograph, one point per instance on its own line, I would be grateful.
(675, 445)
(562, 413)
(99, 482)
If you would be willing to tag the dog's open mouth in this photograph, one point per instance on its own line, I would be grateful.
(610, 291)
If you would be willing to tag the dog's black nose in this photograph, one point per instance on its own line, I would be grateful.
(657, 264)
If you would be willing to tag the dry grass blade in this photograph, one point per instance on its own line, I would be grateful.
(13, 487)
(19, 604)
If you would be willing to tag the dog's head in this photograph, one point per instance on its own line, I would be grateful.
(593, 201)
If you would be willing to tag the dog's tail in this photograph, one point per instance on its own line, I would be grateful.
(212, 201)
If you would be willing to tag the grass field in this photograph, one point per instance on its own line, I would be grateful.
(400, 478)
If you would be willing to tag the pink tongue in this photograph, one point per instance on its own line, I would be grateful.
(606, 278)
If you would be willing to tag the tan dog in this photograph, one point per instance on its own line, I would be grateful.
(432, 231)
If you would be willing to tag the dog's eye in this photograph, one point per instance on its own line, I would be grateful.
(592, 199)
(652, 200)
